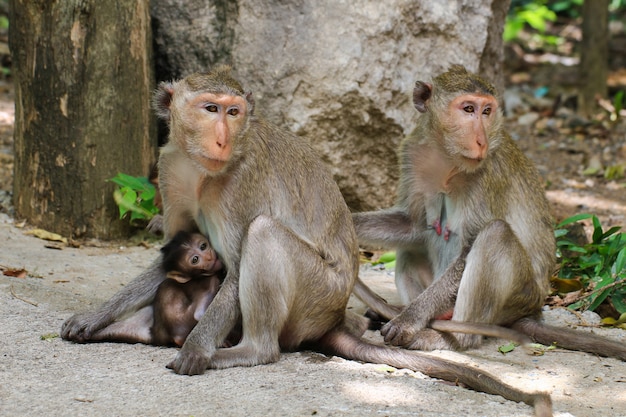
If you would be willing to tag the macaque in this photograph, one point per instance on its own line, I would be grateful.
(471, 226)
(193, 268)
(279, 224)
(193, 271)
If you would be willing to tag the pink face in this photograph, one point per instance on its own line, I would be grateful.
(201, 256)
(218, 120)
(470, 117)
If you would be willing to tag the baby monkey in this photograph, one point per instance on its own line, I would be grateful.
(192, 267)
(194, 276)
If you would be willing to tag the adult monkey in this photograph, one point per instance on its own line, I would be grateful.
(281, 227)
(471, 226)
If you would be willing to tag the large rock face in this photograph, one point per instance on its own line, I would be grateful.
(337, 72)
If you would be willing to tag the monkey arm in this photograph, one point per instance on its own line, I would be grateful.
(211, 331)
(137, 294)
(389, 228)
(438, 298)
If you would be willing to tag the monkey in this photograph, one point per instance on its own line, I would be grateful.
(193, 271)
(189, 256)
(192, 266)
(471, 227)
(283, 231)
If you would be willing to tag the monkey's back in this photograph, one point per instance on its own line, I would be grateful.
(523, 204)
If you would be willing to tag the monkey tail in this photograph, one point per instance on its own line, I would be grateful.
(342, 343)
(570, 339)
(374, 301)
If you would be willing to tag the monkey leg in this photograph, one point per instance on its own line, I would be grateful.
(278, 274)
(134, 329)
(378, 306)
(413, 273)
(497, 287)
(134, 296)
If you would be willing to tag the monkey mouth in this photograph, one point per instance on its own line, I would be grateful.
(472, 161)
(212, 164)
(217, 265)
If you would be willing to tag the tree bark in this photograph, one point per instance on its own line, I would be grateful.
(83, 75)
(594, 58)
(492, 60)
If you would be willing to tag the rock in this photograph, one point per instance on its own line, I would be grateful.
(339, 73)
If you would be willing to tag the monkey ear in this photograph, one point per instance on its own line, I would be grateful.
(250, 101)
(178, 277)
(421, 94)
(163, 99)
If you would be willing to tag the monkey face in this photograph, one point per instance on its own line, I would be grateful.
(468, 123)
(200, 257)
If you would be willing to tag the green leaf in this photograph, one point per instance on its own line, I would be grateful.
(509, 347)
(574, 219)
(125, 180)
(618, 300)
(387, 257)
(135, 196)
(620, 261)
(597, 230)
(609, 232)
(618, 100)
(560, 233)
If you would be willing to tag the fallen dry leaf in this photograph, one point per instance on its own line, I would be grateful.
(15, 272)
(45, 235)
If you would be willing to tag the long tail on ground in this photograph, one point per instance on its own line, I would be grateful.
(570, 339)
(342, 343)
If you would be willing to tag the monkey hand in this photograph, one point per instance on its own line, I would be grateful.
(156, 225)
(191, 360)
(404, 329)
(80, 327)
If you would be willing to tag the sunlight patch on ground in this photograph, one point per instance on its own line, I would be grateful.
(381, 393)
(588, 203)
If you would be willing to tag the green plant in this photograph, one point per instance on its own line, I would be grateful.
(388, 259)
(618, 105)
(534, 13)
(135, 198)
(599, 265)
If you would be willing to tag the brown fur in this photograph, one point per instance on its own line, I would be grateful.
(279, 223)
(471, 226)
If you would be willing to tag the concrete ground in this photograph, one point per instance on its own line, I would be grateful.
(43, 375)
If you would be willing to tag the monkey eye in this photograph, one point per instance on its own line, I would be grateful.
(195, 259)
(469, 109)
(233, 111)
(212, 108)
(203, 246)
(487, 111)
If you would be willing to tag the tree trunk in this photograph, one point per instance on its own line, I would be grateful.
(594, 55)
(83, 78)
(492, 59)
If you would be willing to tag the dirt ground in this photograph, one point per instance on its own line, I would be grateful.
(41, 374)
